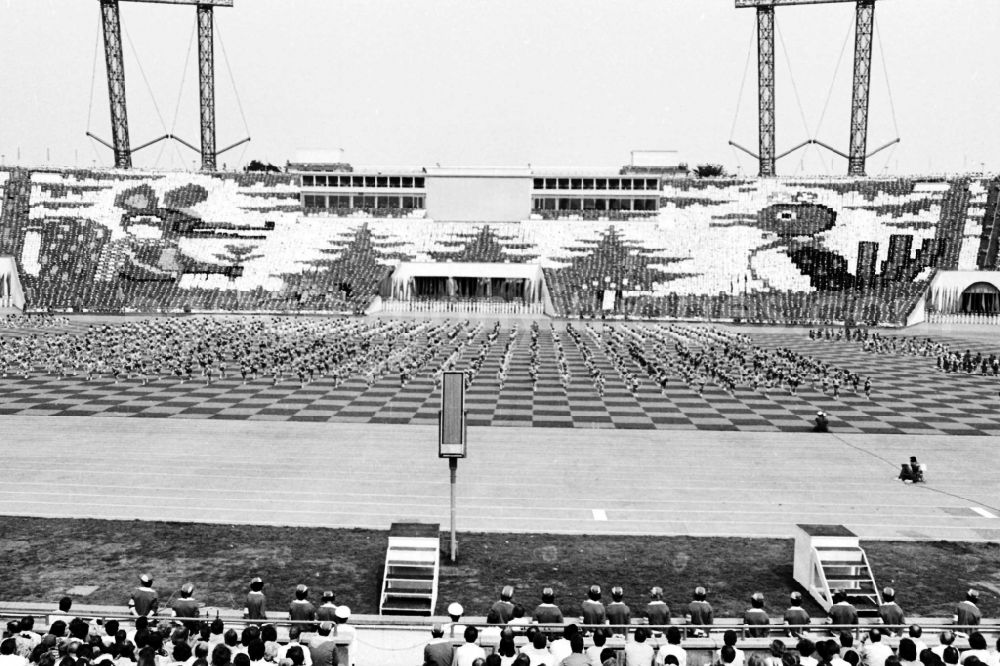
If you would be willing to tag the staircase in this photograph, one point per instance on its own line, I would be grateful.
(412, 564)
(830, 558)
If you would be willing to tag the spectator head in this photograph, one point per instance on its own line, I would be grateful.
(846, 639)
(570, 630)
(328, 597)
(522, 660)
(832, 648)
(269, 633)
(671, 659)
(907, 650)
(600, 638)
(889, 594)
(539, 641)
(617, 593)
(947, 637)
(141, 623)
(976, 641)
(301, 591)
(255, 650)
(729, 637)
(640, 635)
(594, 593)
(297, 656)
(187, 589)
(728, 653)
(608, 656)
(256, 584)
(201, 651)
(455, 611)
(437, 631)
(915, 631)
(507, 648)
(493, 617)
(65, 604)
(673, 635)
(576, 643)
(700, 593)
(27, 623)
(755, 659)
(656, 593)
(13, 626)
(231, 638)
(928, 658)
(852, 657)
(795, 598)
(757, 600)
(111, 627)
(78, 629)
(507, 593)
(58, 628)
(295, 631)
(221, 655)
(548, 595)
(179, 635)
(789, 659)
(471, 634)
(241, 659)
(493, 660)
(518, 611)
(145, 580)
(805, 647)
(181, 652)
(972, 595)
(325, 628)
(892, 660)
(8, 646)
(839, 597)
(217, 626)
(777, 648)
(875, 636)
(342, 614)
(950, 655)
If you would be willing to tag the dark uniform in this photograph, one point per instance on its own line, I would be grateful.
(891, 613)
(756, 617)
(619, 616)
(144, 601)
(700, 612)
(968, 614)
(547, 614)
(256, 605)
(504, 610)
(796, 615)
(302, 610)
(657, 613)
(593, 612)
(843, 613)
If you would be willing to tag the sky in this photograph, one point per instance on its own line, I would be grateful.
(509, 82)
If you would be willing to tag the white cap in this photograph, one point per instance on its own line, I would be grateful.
(455, 608)
(342, 613)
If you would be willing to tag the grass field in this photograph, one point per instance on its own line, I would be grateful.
(44, 557)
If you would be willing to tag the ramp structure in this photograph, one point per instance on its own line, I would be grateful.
(830, 558)
(412, 564)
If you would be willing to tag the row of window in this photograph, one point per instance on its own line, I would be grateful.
(408, 182)
(597, 184)
(361, 201)
(617, 203)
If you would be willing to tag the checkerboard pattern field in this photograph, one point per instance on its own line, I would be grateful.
(909, 396)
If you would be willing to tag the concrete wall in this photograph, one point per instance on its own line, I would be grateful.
(457, 198)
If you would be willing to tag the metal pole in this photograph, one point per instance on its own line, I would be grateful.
(453, 468)
(765, 88)
(862, 83)
(206, 80)
(115, 63)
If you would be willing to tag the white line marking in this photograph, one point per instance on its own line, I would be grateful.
(599, 514)
(982, 512)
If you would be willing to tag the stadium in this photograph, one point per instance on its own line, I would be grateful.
(342, 413)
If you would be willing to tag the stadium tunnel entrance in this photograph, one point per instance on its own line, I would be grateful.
(981, 298)
(475, 284)
(965, 292)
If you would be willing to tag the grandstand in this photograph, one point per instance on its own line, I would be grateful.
(329, 240)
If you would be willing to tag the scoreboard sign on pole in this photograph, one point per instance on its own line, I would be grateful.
(451, 419)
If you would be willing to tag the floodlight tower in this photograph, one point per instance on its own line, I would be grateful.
(865, 22)
(111, 22)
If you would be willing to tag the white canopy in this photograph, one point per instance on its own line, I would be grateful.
(947, 287)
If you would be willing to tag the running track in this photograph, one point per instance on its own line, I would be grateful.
(515, 479)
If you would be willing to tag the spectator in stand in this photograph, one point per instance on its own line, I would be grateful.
(256, 606)
(593, 610)
(576, 657)
(699, 612)
(672, 648)
(876, 651)
(907, 652)
(455, 628)
(181, 653)
(518, 619)
(950, 656)
(438, 652)
(842, 612)
(144, 601)
(294, 635)
(538, 650)
(795, 614)
(637, 651)
(507, 649)
(9, 655)
(967, 614)
(831, 653)
(322, 647)
(890, 612)
(561, 647)
(977, 648)
(657, 612)
(806, 648)
(915, 633)
(27, 639)
(345, 632)
(65, 604)
(467, 653)
(301, 609)
(187, 607)
(221, 655)
(504, 607)
(618, 613)
(257, 652)
(729, 639)
(327, 609)
(777, 650)
(727, 656)
(945, 641)
(755, 616)
(547, 612)
(594, 651)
